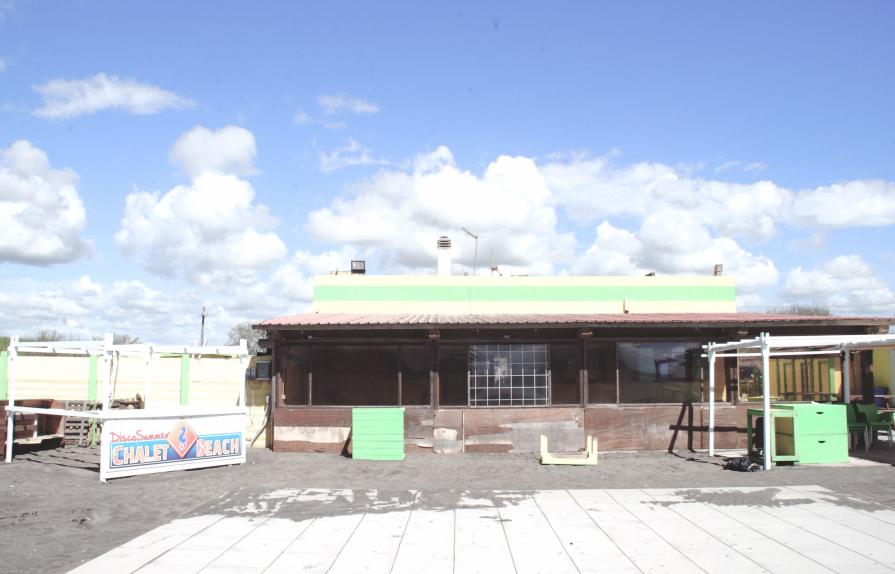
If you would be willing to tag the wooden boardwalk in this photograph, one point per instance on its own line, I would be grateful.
(720, 530)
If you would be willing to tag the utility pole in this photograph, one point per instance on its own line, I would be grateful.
(475, 256)
(202, 332)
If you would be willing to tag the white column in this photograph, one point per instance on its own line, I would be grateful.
(766, 392)
(846, 375)
(10, 394)
(711, 354)
(147, 376)
(243, 359)
(107, 371)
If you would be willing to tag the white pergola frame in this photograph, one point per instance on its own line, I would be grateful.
(767, 346)
(108, 351)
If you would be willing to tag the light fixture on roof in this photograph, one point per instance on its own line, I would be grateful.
(719, 267)
(358, 267)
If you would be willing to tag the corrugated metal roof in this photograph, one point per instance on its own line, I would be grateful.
(397, 320)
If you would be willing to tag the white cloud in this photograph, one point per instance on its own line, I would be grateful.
(595, 188)
(70, 98)
(400, 214)
(350, 155)
(851, 204)
(83, 308)
(673, 242)
(740, 165)
(209, 230)
(41, 213)
(333, 104)
(847, 284)
(230, 149)
(301, 118)
(591, 188)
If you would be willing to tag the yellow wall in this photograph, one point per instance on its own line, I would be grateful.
(214, 381)
(883, 363)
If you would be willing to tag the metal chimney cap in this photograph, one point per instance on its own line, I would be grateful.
(444, 242)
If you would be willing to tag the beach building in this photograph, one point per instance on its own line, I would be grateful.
(489, 363)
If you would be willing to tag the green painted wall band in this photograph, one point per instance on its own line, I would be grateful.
(4, 375)
(91, 379)
(184, 379)
(544, 293)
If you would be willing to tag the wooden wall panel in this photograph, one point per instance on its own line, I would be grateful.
(419, 424)
(617, 427)
(652, 427)
(313, 417)
(519, 429)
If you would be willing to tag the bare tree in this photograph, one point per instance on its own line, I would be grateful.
(245, 331)
(809, 309)
(45, 335)
(124, 339)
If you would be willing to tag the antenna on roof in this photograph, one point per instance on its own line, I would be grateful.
(476, 255)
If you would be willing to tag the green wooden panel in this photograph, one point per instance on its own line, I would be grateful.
(91, 378)
(184, 379)
(821, 419)
(823, 448)
(377, 433)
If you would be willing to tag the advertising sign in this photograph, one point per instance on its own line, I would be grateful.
(145, 445)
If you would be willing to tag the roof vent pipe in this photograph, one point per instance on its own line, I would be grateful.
(444, 256)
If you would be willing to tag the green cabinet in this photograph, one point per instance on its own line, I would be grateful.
(784, 435)
(377, 433)
(803, 433)
(822, 431)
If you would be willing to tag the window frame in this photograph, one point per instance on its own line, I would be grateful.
(547, 375)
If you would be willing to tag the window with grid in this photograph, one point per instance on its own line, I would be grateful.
(509, 375)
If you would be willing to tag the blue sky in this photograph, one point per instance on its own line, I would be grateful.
(222, 154)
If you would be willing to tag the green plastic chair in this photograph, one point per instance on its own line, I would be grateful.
(874, 421)
(856, 426)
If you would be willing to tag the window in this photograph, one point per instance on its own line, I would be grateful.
(262, 371)
(294, 370)
(601, 386)
(795, 379)
(565, 372)
(453, 374)
(659, 372)
(356, 376)
(415, 375)
(509, 375)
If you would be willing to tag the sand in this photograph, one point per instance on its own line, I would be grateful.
(55, 514)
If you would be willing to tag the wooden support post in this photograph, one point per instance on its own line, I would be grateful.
(582, 376)
(711, 357)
